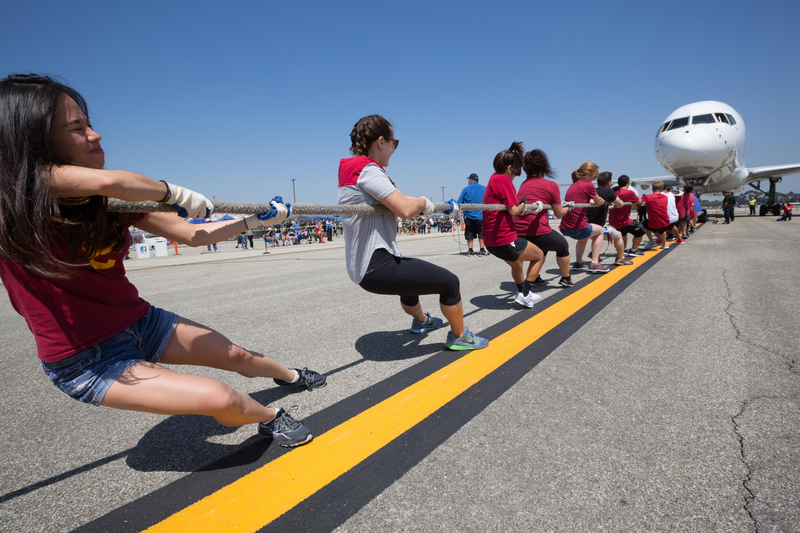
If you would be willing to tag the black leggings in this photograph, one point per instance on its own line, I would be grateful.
(409, 278)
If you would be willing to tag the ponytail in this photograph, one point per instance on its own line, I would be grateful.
(512, 157)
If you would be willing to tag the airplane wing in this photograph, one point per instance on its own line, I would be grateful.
(645, 183)
(763, 173)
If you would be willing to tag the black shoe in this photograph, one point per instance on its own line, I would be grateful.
(565, 281)
(471, 253)
(483, 252)
(539, 281)
(285, 430)
(308, 378)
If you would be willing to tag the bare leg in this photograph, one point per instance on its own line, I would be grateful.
(597, 244)
(415, 311)
(152, 388)
(194, 344)
(563, 264)
(580, 248)
(455, 316)
(619, 244)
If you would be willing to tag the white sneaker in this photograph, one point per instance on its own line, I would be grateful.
(665, 246)
(523, 301)
(533, 297)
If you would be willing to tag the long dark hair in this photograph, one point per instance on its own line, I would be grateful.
(32, 220)
(536, 162)
(512, 156)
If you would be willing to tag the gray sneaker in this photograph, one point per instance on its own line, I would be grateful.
(308, 378)
(285, 430)
(596, 268)
(467, 341)
(580, 267)
(430, 324)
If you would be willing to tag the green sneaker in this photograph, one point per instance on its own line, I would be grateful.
(467, 341)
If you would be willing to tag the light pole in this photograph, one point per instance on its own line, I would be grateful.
(442, 194)
(294, 196)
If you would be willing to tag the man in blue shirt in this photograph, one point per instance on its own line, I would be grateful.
(473, 194)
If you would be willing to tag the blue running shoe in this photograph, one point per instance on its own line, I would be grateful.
(285, 430)
(467, 341)
(430, 324)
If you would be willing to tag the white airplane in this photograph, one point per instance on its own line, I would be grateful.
(702, 144)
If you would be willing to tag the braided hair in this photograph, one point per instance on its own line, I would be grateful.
(366, 131)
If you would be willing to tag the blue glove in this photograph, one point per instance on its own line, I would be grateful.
(280, 211)
(276, 215)
(453, 208)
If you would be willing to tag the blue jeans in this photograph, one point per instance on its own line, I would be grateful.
(87, 375)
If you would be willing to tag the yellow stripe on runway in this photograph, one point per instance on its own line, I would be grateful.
(255, 500)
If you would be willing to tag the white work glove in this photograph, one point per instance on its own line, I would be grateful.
(568, 205)
(535, 207)
(454, 208)
(429, 207)
(188, 204)
(276, 215)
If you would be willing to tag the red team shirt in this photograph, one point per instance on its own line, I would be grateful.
(656, 210)
(67, 315)
(542, 190)
(621, 217)
(580, 192)
(498, 226)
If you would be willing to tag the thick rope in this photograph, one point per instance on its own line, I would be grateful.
(120, 206)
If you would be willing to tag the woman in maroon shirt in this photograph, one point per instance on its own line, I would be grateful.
(499, 229)
(61, 260)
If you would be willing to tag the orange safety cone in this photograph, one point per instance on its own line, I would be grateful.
(462, 225)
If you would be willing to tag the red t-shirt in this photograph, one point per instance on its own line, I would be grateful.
(680, 203)
(787, 209)
(690, 204)
(542, 190)
(580, 192)
(67, 315)
(657, 215)
(620, 217)
(498, 226)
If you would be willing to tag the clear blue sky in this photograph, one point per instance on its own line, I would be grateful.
(235, 99)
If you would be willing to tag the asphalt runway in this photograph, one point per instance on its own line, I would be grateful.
(659, 397)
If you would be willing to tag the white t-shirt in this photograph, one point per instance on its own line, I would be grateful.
(364, 234)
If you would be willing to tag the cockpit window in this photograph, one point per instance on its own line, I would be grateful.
(733, 120)
(678, 123)
(703, 119)
(663, 128)
(721, 117)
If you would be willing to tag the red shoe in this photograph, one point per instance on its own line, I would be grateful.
(680, 241)
(659, 243)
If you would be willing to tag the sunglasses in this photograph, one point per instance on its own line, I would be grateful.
(393, 141)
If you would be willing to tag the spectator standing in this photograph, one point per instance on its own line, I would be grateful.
(473, 220)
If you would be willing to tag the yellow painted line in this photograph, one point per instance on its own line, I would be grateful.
(253, 501)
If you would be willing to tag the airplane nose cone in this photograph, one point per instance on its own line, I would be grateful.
(695, 151)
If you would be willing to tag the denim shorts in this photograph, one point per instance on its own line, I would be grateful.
(578, 234)
(87, 375)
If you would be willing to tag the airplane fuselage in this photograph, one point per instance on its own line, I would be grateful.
(703, 144)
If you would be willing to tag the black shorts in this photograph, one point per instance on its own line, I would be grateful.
(659, 230)
(634, 228)
(509, 252)
(472, 228)
(409, 278)
(550, 242)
